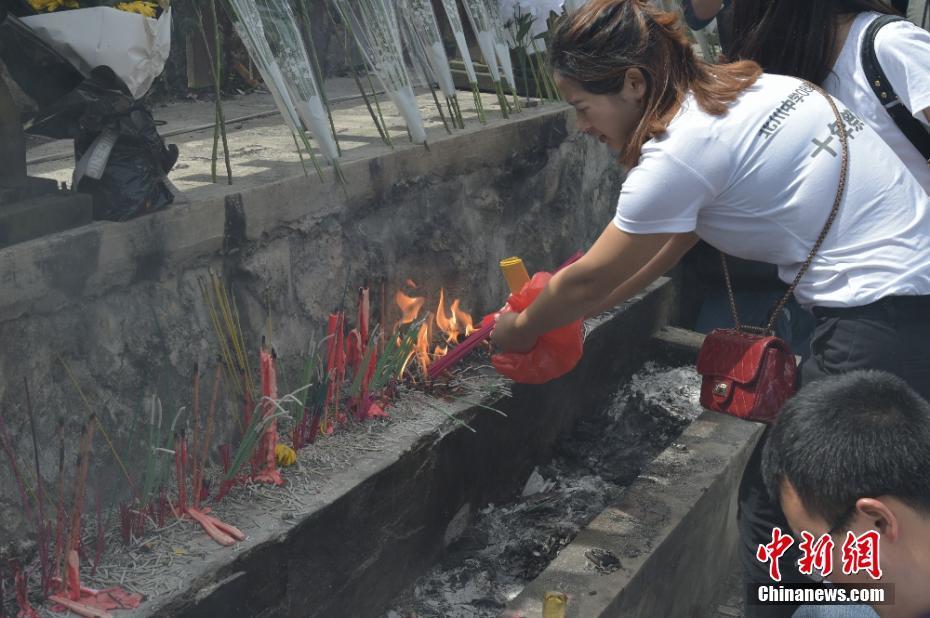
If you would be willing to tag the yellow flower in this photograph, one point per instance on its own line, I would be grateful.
(53, 5)
(139, 6)
(284, 455)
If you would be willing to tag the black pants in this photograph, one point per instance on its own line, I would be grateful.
(900, 5)
(893, 335)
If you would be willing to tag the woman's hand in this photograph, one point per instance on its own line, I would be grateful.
(509, 336)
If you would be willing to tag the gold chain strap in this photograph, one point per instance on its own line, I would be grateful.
(841, 189)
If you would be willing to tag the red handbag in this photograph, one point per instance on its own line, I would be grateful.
(747, 371)
(746, 375)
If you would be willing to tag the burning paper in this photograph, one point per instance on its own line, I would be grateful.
(450, 324)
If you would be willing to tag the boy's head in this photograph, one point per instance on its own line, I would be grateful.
(852, 453)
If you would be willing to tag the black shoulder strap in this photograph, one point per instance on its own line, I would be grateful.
(912, 128)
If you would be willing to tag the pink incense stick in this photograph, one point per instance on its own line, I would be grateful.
(480, 335)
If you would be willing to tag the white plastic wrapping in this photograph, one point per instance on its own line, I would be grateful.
(135, 47)
(376, 29)
(455, 22)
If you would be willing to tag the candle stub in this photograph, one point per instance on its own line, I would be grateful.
(554, 604)
(514, 273)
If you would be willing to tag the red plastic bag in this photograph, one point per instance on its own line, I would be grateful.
(555, 354)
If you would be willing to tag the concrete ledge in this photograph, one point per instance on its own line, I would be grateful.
(676, 346)
(384, 522)
(674, 530)
(47, 274)
(40, 215)
(43, 275)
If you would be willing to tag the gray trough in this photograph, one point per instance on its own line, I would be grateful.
(375, 527)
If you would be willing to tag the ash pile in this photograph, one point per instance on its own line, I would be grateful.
(509, 545)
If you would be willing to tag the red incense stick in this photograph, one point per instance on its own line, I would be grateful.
(479, 336)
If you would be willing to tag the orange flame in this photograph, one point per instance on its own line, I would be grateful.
(422, 348)
(448, 325)
(462, 318)
(409, 306)
(453, 325)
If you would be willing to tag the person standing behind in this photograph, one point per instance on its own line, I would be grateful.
(699, 13)
(823, 41)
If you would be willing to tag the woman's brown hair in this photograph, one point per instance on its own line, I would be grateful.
(598, 43)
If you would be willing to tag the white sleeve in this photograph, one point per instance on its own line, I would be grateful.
(662, 194)
(903, 50)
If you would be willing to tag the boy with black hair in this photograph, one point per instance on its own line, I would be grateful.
(851, 453)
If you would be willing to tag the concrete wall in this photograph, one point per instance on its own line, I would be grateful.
(120, 302)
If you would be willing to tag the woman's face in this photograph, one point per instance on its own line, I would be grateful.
(611, 118)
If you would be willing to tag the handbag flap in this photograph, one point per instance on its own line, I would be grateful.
(735, 355)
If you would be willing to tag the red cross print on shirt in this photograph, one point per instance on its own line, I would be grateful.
(771, 552)
(817, 554)
(860, 553)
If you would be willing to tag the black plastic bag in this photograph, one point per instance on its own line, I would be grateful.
(132, 184)
(133, 161)
(94, 103)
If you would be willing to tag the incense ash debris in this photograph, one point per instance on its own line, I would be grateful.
(164, 561)
(509, 545)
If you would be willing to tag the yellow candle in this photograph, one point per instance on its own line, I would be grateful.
(515, 273)
(554, 605)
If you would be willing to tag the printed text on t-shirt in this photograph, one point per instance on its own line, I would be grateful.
(851, 123)
(784, 109)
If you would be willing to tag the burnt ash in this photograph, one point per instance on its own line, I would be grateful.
(509, 545)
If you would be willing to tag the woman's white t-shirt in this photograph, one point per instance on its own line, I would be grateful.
(759, 182)
(903, 50)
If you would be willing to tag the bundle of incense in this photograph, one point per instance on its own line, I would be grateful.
(264, 464)
(479, 336)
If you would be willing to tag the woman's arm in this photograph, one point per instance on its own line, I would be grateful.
(699, 13)
(668, 256)
(706, 10)
(581, 288)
